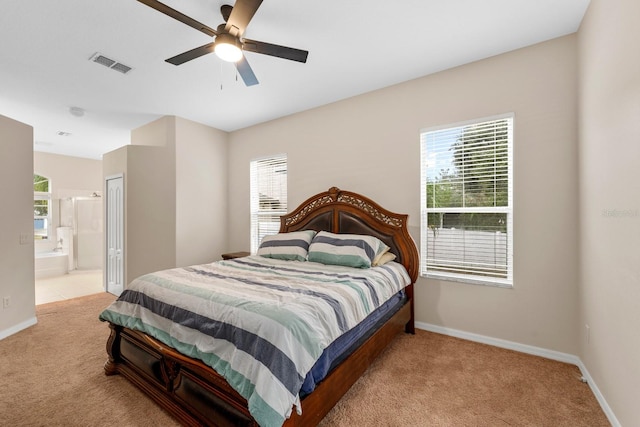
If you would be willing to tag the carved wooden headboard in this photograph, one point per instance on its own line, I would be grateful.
(341, 211)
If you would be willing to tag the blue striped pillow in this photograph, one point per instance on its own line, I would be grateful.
(290, 246)
(351, 250)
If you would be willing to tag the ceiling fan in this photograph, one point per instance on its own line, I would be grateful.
(228, 42)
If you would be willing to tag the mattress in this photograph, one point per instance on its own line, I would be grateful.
(348, 342)
(261, 323)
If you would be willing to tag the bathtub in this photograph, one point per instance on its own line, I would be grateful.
(51, 264)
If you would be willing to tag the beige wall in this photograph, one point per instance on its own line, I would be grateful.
(201, 193)
(175, 179)
(610, 203)
(159, 133)
(70, 176)
(150, 197)
(150, 201)
(16, 218)
(370, 144)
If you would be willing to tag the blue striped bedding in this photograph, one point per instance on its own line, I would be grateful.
(342, 347)
(261, 323)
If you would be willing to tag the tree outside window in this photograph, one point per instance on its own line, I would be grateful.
(41, 207)
(467, 207)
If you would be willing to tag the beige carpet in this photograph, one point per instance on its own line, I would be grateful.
(52, 376)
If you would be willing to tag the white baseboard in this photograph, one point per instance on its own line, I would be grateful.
(528, 349)
(601, 400)
(17, 328)
(496, 342)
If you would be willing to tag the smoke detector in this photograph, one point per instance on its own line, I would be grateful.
(76, 111)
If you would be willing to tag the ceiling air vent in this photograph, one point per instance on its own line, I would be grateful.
(110, 63)
(121, 67)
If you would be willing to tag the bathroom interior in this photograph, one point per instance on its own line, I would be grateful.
(68, 259)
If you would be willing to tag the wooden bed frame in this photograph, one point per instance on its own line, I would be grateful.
(196, 395)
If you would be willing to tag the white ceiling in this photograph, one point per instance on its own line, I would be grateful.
(355, 46)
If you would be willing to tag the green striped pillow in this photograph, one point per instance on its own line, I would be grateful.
(351, 250)
(290, 246)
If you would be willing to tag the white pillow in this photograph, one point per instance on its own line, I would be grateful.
(383, 258)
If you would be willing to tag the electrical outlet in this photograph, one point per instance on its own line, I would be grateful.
(6, 302)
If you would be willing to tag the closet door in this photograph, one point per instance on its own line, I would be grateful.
(114, 234)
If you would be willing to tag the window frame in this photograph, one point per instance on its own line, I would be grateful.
(254, 199)
(39, 196)
(470, 278)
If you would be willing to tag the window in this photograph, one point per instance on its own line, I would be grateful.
(41, 207)
(467, 202)
(268, 197)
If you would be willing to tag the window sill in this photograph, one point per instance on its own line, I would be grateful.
(497, 283)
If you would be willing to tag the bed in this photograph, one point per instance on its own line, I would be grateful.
(196, 394)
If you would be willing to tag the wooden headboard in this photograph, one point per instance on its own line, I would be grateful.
(341, 211)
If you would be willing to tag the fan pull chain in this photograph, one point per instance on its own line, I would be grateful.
(222, 77)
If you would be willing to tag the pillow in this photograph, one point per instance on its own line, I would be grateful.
(383, 258)
(350, 250)
(290, 246)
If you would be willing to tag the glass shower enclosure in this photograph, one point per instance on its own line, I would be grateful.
(85, 216)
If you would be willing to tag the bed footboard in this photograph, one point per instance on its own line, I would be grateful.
(196, 395)
(189, 390)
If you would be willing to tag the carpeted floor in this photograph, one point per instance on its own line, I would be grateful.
(48, 379)
(51, 380)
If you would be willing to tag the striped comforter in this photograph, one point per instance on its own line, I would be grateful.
(259, 322)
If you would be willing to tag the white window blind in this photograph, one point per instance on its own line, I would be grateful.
(268, 197)
(467, 202)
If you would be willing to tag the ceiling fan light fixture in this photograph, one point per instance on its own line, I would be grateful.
(228, 48)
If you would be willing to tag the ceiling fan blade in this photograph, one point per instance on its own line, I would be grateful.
(275, 50)
(246, 72)
(163, 8)
(191, 54)
(241, 15)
